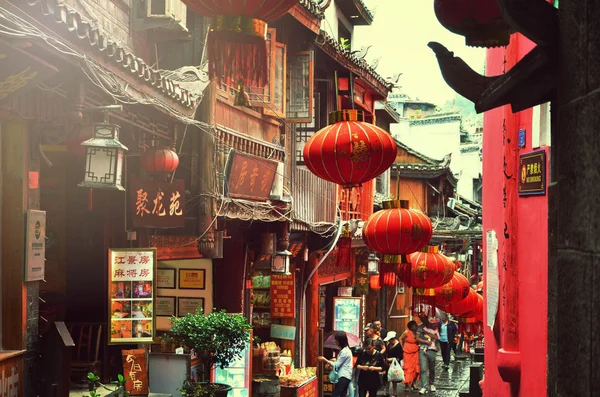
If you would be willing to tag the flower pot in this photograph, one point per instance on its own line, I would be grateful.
(220, 389)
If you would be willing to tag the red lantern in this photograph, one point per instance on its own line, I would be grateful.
(349, 151)
(464, 306)
(479, 21)
(374, 282)
(159, 161)
(388, 273)
(452, 292)
(236, 40)
(427, 269)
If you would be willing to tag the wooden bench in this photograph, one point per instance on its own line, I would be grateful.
(86, 354)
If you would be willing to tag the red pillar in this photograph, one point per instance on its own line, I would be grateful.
(312, 314)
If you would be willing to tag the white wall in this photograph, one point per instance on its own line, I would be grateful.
(332, 17)
(471, 169)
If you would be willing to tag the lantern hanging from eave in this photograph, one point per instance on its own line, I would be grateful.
(236, 40)
(427, 269)
(159, 161)
(374, 282)
(349, 151)
(480, 21)
(388, 271)
(463, 307)
(453, 291)
(397, 231)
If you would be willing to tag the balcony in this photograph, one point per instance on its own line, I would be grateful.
(314, 201)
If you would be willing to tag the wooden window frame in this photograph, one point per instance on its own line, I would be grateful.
(311, 88)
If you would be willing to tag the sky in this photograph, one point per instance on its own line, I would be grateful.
(399, 34)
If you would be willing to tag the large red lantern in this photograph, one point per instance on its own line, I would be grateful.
(159, 161)
(452, 292)
(427, 269)
(236, 40)
(349, 151)
(463, 307)
(479, 21)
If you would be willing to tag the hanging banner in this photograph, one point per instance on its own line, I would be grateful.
(135, 370)
(283, 303)
(157, 204)
(249, 177)
(362, 273)
(131, 295)
(35, 260)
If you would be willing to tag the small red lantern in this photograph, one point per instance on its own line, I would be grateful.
(464, 306)
(452, 292)
(374, 282)
(349, 151)
(388, 272)
(159, 161)
(480, 21)
(427, 269)
(236, 41)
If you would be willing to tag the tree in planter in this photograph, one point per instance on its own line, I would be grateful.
(217, 338)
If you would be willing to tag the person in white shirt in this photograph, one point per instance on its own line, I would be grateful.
(343, 365)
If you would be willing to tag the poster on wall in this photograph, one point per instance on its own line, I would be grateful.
(347, 315)
(283, 303)
(132, 291)
(36, 245)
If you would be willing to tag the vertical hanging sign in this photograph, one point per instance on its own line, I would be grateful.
(131, 295)
(36, 245)
(283, 302)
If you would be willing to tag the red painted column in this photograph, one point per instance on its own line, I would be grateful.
(312, 313)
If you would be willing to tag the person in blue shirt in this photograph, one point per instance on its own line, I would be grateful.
(343, 365)
(447, 333)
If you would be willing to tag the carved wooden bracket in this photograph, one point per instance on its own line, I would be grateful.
(531, 81)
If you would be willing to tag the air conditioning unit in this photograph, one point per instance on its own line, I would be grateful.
(172, 12)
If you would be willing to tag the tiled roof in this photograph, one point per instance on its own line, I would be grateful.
(431, 168)
(436, 119)
(359, 67)
(313, 7)
(85, 31)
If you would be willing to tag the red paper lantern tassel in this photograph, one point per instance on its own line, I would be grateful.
(405, 270)
(423, 302)
(237, 49)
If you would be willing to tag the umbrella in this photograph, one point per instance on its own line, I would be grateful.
(330, 342)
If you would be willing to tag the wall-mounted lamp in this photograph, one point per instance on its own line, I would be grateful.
(281, 262)
(373, 264)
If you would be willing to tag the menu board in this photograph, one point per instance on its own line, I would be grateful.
(131, 295)
(347, 315)
(283, 303)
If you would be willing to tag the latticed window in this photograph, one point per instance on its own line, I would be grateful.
(305, 130)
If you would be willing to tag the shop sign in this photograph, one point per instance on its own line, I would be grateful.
(286, 332)
(532, 174)
(10, 372)
(309, 389)
(36, 245)
(362, 273)
(283, 302)
(135, 371)
(157, 204)
(326, 385)
(20, 71)
(131, 295)
(249, 177)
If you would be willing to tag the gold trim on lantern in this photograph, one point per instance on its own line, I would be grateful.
(431, 249)
(346, 115)
(424, 291)
(393, 204)
(391, 258)
(239, 24)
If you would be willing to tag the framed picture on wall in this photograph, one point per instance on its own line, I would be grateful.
(192, 279)
(187, 305)
(166, 278)
(165, 306)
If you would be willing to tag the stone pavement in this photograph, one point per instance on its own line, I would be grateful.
(447, 382)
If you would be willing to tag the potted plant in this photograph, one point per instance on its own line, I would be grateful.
(217, 339)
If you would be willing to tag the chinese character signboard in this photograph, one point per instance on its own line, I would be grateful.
(11, 371)
(285, 332)
(36, 245)
(310, 389)
(156, 203)
(347, 315)
(249, 177)
(532, 174)
(131, 295)
(362, 275)
(282, 296)
(135, 370)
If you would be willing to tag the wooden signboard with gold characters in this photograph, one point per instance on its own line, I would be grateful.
(132, 291)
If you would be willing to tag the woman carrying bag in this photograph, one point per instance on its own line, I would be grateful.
(342, 367)
(394, 354)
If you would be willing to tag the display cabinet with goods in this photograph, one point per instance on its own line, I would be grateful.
(217, 339)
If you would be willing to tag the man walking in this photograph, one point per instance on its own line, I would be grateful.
(447, 334)
(427, 339)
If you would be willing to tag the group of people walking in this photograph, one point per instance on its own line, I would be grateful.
(416, 349)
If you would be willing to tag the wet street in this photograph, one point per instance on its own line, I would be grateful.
(448, 382)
